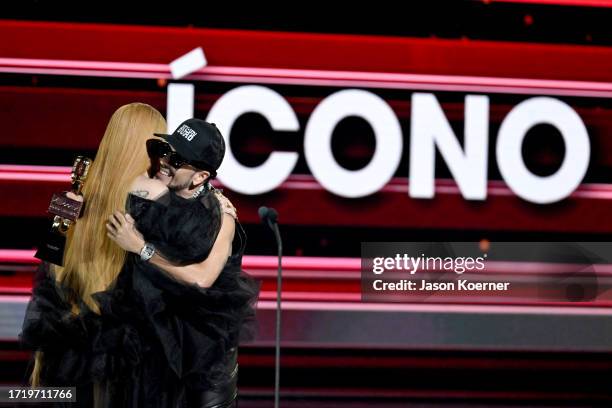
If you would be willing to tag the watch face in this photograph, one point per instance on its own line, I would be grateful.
(147, 252)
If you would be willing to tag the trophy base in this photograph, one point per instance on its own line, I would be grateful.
(52, 249)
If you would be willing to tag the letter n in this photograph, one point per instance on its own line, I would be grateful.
(429, 129)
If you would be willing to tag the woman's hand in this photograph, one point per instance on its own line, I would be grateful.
(226, 205)
(123, 232)
(74, 197)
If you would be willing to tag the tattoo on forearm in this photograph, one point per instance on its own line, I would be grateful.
(140, 193)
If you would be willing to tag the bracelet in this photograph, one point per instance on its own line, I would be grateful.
(147, 251)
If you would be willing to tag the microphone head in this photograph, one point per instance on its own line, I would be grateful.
(272, 215)
(263, 213)
(268, 215)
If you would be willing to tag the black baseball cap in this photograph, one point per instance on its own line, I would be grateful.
(199, 142)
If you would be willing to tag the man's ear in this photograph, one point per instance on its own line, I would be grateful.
(200, 177)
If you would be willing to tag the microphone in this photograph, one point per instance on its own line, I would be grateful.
(269, 217)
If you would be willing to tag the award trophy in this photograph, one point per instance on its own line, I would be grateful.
(65, 212)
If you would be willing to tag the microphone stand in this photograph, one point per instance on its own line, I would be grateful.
(279, 280)
(269, 217)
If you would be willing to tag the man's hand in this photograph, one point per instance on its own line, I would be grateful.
(123, 232)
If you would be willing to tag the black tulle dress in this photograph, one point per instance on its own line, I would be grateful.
(157, 342)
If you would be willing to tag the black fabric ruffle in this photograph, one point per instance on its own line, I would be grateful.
(156, 338)
(79, 347)
(194, 325)
(183, 230)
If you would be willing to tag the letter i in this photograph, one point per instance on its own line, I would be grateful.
(179, 104)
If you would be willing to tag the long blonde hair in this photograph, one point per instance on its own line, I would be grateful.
(91, 260)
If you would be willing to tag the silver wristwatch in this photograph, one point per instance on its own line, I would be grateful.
(147, 251)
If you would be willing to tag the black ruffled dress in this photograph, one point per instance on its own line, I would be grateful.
(157, 342)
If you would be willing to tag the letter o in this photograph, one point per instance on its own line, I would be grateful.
(534, 111)
(280, 115)
(318, 135)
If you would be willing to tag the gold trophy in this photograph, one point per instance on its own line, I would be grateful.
(65, 212)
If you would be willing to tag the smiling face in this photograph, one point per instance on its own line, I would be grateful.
(180, 179)
(174, 171)
(160, 163)
(165, 172)
(184, 180)
(159, 168)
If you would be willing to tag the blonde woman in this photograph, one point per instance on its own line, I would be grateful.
(114, 326)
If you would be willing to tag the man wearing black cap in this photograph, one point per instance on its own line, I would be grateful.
(198, 150)
(186, 162)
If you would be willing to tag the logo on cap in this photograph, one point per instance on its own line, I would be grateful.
(187, 132)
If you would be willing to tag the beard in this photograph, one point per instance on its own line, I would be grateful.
(178, 186)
